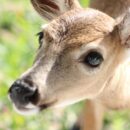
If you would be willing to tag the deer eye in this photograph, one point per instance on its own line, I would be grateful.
(93, 59)
(40, 37)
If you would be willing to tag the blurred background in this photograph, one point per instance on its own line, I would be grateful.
(18, 44)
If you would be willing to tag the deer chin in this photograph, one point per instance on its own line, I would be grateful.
(26, 110)
(31, 109)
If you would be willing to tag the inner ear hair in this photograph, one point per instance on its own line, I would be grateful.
(49, 9)
(124, 28)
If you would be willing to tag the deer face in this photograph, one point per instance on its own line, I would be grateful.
(79, 51)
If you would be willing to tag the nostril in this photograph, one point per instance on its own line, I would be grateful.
(15, 89)
(32, 96)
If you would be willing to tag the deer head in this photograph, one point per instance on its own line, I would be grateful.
(80, 49)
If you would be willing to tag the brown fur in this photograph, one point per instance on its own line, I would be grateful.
(66, 29)
(113, 8)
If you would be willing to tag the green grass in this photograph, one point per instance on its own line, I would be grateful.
(18, 25)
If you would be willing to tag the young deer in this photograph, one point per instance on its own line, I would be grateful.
(83, 54)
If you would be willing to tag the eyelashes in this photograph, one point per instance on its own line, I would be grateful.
(40, 37)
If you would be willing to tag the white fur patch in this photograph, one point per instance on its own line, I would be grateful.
(25, 111)
(30, 106)
(44, 26)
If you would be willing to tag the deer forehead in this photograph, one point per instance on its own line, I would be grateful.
(79, 26)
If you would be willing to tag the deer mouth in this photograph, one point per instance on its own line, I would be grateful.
(31, 109)
(47, 105)
(26, 98)
(25, 110)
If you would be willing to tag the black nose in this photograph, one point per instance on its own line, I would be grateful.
(23, 92)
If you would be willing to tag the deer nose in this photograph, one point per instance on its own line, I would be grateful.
(23, 92)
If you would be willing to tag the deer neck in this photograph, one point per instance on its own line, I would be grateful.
(116, 94)
(113, 8)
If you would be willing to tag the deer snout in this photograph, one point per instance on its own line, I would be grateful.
(23, 92)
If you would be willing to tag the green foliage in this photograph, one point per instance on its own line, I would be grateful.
(18, 43)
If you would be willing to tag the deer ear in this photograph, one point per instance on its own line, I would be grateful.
(50, 9)
(124, 29)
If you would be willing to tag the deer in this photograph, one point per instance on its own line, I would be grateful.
(83, 54)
